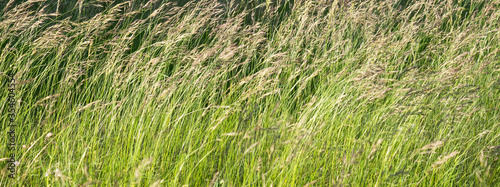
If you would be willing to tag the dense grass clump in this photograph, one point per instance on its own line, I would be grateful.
(252, 92)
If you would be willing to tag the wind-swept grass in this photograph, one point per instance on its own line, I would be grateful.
(252, 93)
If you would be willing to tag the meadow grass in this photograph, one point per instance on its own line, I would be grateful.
(252, 92)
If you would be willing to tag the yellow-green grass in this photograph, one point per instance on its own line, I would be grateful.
(252, 93)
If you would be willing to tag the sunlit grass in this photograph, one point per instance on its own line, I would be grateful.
(253, 93)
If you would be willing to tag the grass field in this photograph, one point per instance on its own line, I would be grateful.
(252, 92)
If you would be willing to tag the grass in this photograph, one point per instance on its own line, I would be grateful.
(252, 93)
